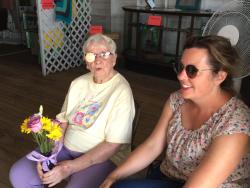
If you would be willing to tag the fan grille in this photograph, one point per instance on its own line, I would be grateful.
(236, 14)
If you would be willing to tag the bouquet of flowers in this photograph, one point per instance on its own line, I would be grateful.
(46, 133)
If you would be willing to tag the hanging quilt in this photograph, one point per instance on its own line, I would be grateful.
(64, 10)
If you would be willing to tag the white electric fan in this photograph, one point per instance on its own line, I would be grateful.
(233, 21)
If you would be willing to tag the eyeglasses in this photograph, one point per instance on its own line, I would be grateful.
(190, 70)
(91, 57)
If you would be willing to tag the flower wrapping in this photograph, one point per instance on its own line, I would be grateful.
(46, 160)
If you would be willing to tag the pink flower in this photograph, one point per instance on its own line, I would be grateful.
(34, 123)
(78, 117)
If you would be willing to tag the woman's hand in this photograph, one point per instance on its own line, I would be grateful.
(108, 182)
(61, 171)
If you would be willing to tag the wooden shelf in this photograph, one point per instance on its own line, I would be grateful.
(143, 51)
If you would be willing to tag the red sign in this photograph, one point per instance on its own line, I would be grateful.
(154, 20)
(94, 29)
(47, 4)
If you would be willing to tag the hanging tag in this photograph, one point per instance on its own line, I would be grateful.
(47, 4)
(95, 29)
(154, 20)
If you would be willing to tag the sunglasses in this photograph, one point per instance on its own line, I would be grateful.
(190, 70)
(91, 57)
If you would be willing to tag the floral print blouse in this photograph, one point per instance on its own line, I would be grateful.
(186, 148)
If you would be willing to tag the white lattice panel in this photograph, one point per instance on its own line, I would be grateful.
(60, 43)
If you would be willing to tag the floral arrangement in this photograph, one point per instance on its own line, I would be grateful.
(46, 133)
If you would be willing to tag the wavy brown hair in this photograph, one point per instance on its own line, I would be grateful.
(221, 56)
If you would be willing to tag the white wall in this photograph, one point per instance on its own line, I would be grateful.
(213, 4)
(117, 17)
(117, 13)
(101, 13)
(159, 3)
(205, 4)
(110, 14)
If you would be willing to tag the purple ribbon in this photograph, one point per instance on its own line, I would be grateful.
(45, 161)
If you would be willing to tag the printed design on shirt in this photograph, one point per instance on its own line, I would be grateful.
(86, 115)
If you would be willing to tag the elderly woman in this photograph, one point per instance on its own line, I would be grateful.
(97, 119)
(204, 128)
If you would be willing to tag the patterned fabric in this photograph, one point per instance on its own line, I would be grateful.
(85, 115)
(186, 148)
(64, 10)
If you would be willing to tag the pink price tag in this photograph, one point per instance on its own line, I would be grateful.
(94, 29)
(154, 20)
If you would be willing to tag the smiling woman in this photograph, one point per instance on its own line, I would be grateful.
(96, 117)
(203, 130)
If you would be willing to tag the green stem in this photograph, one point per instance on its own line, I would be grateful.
(44, 143)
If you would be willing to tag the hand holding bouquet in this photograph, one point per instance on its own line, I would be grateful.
(46, 133)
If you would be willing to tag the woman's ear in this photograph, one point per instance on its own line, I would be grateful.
(221, 76)
(114, 59)
(87, 66)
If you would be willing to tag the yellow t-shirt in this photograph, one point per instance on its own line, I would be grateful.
(97, 113)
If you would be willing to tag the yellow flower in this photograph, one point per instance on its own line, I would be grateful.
(24, 128)
(55, 133)
(47, 124)
(43, 129)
